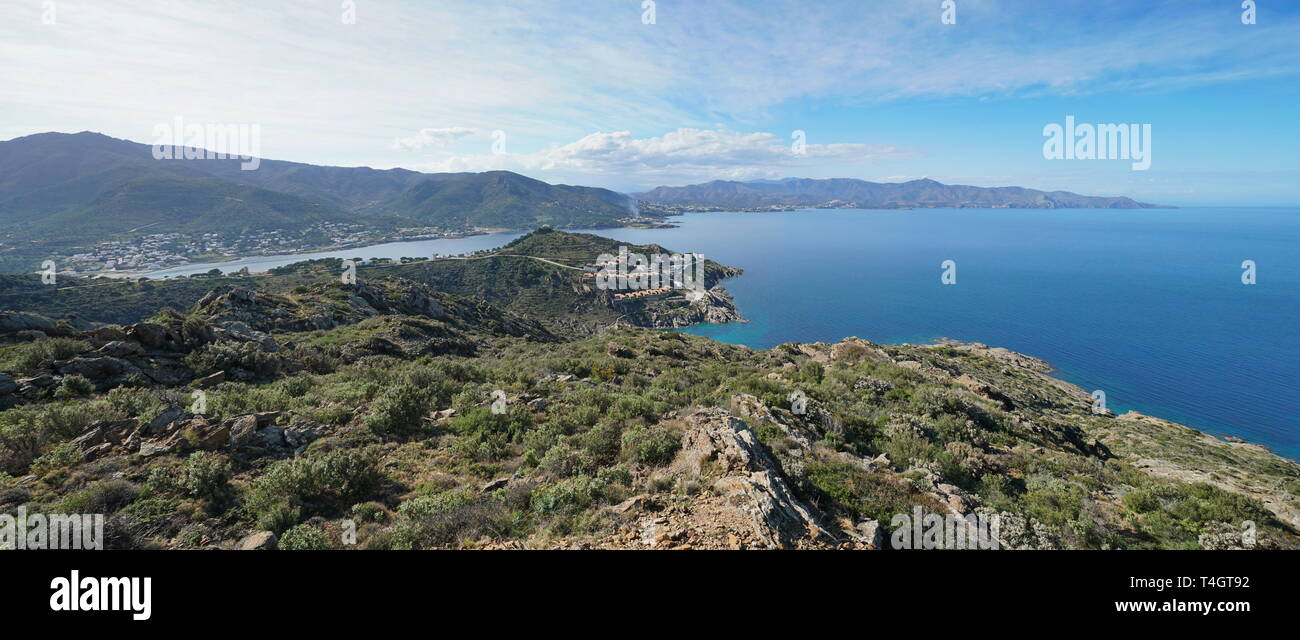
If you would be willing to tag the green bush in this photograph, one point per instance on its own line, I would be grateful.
(74, 386)
(228, 355)
(444, 502)
(103, 497)
(650, 445)
(399, 411)
(862, 493)
(29, 355)
(304, 537)
(206, 475)
(563, 460)
(572, 494)
(62, 456)
(312, 484)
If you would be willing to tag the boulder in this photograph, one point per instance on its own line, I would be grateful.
(165, 422)
(112, 432)
(207, 382)
(870, 532)
(258, 541)
(96, 369)
(151, 448)
(151, 335)
(11, 321)
(750, 480)
(120, 349)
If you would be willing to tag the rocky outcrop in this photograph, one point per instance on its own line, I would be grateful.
(713, 306)
(176, 431)
(14, 321)
(747, 478)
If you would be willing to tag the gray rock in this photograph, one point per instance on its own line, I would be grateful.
(261, 540)
(18, 321)
(207, 382)
(871, 532)
(120, 349)
(151, 448)
(750, 480)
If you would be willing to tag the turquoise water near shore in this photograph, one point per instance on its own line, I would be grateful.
(1147, 305)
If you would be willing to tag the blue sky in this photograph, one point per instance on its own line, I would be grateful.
(589, 93)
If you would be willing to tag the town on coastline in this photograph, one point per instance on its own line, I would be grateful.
(159, 251)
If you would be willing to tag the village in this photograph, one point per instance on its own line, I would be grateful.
(166, 250)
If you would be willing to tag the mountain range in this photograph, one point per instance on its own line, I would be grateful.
(72, 188)
(852, 193)
(62, 193)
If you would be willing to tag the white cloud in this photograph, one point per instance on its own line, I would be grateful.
(434, 137)
(690, 154)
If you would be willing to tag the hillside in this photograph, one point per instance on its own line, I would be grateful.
(507, 278)
(60, 192)
(416, 417)
(847, 192)
(505, 199)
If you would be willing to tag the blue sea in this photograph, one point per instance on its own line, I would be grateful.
(1147, 305)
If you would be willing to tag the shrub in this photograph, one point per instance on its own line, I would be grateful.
(314, 484)
(136, 403)
(29, 355)
(562, 460)
(650, 445)
(225, 356)
(602, 441)
(206, 475)
(863, 493)
(304, 537)
(62, 456)
(104, 497)
(573, 494)
(512, 425)
(399, 411)
(444, 502)
(75, 386)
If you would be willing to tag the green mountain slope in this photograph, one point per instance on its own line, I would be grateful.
(507, 200)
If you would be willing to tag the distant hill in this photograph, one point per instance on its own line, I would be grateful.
(845, 192)
(553, 294)
(505, 199)
(59, 187)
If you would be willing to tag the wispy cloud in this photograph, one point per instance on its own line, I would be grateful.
(683, 154)
(433, 137)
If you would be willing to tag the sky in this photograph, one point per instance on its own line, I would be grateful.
(629, 95)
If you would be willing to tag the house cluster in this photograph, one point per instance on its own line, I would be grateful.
(166, 250)
(642, 294)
